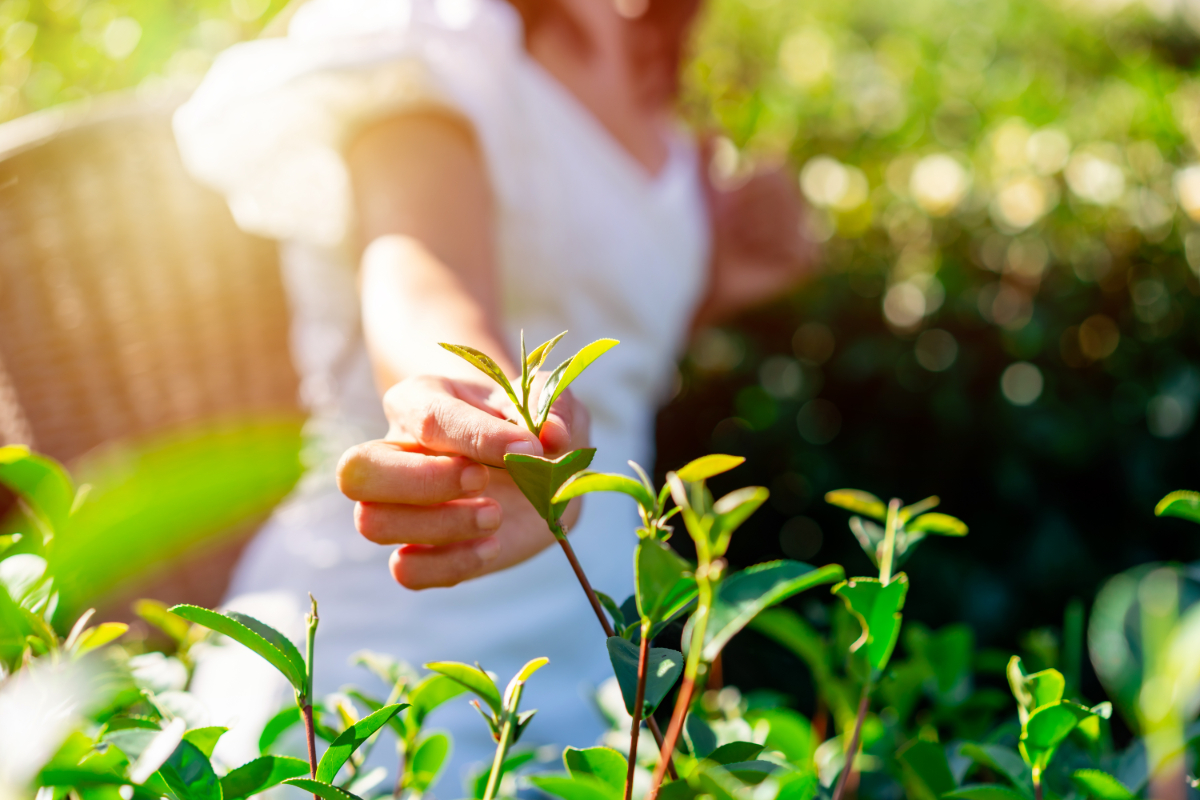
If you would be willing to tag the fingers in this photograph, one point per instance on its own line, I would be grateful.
(382, 472)
(418, 567)
(448, 523)
(431, 414)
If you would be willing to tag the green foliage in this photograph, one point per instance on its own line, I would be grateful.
(1183, 504)
(321, 790)
(259, 775)
(351, 739)
(663, 668)
(877, 608)
(259, 637)
(539, 479)
(602, 763)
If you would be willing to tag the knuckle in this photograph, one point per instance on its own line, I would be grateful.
(429, 420)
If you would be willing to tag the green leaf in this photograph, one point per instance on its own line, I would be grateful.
(535, 360)
(984, 791)
(427, 761)
(588, 482)
(205, 738)
(1099, 784)
(260, 774)
(663, 580)
(190, 775)
(789, 733)
(706, 467)
(474, 679)
(602, 763)
(732, 510)
(733, 752)
(285, 658)
(699, 736)
(1182, 504)
(276, 726)
(927, 761)
(1046, 729)
(582, 787)
(859, 502)
(614, 611)
(741, 596)
(663, 668)
(391, 671)
(322, 790)
(157, 614)
(937, 523)
(540, 478)
(41, 482)
(1003, 761)
(484, 363)
(351, 739)
(920, 507)
(428, 695)
(99, 636)
(877, 608)
(567, 372)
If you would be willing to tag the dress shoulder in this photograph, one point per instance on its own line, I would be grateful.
(268, 125)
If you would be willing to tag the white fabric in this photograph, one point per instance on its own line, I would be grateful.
(586, 241)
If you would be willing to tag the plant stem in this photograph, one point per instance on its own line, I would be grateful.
(672, 738)
(506, 734)
(889, 542)
(852, 752)
(638, 700)
(311, 620)
(1037, 790)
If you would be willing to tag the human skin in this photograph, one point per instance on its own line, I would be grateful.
(432, 486)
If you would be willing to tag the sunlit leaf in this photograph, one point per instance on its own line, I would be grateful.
(663, 668)
(351, 739)
(1100, 785)
(586, 482)
(41, 482)
(157, 614)
(938, 523)
(428, 759)
(190, 775)
(472, 678)
(99, 636)
(540, 478)
(322, 790)
(523, 675)
(276, 726)
(205, 738)
(567, 372)
(484, 363)
(920, 507)
(877, 608)
(1182, 504)
(602, 763)
(260, 774)
(537, 358)
(708, 466)
(858, 501)
(430, 693)
(568, 787)
(257, 636)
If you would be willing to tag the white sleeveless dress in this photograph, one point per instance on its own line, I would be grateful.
(586, 242)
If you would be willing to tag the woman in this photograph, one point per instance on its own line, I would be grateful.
(479, 169)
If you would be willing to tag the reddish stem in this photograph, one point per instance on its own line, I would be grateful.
(638, 700)
(306, 711)
(853, 750)
(668, 748)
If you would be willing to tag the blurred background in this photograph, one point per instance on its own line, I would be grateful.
(1007, 198)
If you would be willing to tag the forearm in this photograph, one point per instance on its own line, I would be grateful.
(411, 300)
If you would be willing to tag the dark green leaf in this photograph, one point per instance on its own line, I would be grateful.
(190, 775)
(276, 726)
(751, 772)
(484, 363)
(351, 739)
(928, 763)
(603, 763)
(614, 611)
(429, 694)
(1182, 504)
(663, 581)
(708, 466)
(984, 791)
(734, 752)
(940, 524)
(322, 790)
(205, 739)
(663, 668)
(473, 678)
(41, 482)
(741, 596)
(261, 774)
(427, 761)
(583, 787)
(588, 482)
(699, 736)
(1098, 784)
(540, 478)
(859, 502)
(877, 608)
(567, 372)
(287, 662)
(1003, 761)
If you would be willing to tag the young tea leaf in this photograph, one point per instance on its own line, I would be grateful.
(920, 507)
(427, 762)
(539, 479)
(582, 787)
(567, 372)
(205, 738)
(877, 608)
(99, 636)
(259, 775)
(732, 510)
(664, 581)
(937, 523)
(322, 790)
(518, 680)
(484, 363)
(285, 658)
(859, 502)
(603, 763)
(741, 596)
(1100, 785)
(663, 668)
(708, 466)
(1182, 504)
(472, 678)
(351, 739)
(156, 614)
(586, 482)
(428, 695)
(535, 360)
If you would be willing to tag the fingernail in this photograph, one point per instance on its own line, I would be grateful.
(487, 549)
(488, 518)
(474, 478)
(523, 448)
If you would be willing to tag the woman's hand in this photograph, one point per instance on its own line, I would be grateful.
(436, 485)
(759, 248)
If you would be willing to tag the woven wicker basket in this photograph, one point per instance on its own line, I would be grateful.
(130, 302)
